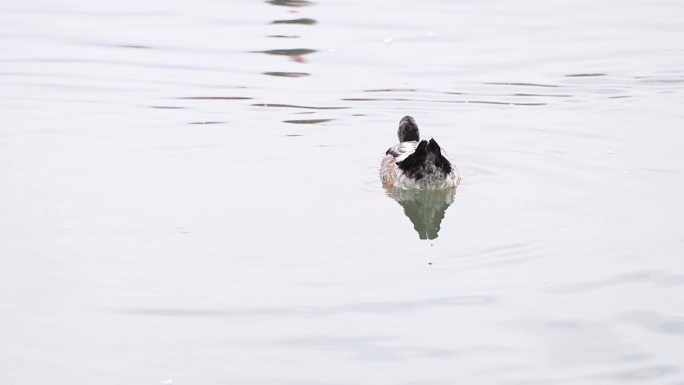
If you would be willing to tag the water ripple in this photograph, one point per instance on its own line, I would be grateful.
(363, 307)
(392, 90)
(587, 75)
(657, 277)
(284, 36)
(370, 347)
(641, 374)
(308, 121)
(207, 122)
(287, 74)
(656, 322)
(492, 102)
(287, 52)
(303, 21)
(521, 84)
(215, 98)
(279, 105)
(290, 3)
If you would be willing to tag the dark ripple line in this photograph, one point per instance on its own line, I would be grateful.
(133, 46)
(378, 99)
(307, 121)
(279, 105)
(168, 107)
(442, 101)
(216, 98)
(391, 90)
(491, 102)
(287, 52)
(290, 3)
(521, 84)
(587, 75)
(521, 94)
(302, 21)
(542, 95)
(287, 74)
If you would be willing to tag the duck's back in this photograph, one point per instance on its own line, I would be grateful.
(420, 165)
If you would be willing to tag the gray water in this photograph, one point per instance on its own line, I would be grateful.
(190, 192)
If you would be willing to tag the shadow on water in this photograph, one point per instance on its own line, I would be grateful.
(215, 98)
(425, 208)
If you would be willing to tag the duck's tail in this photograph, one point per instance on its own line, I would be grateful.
(426, 159)
(435, 157)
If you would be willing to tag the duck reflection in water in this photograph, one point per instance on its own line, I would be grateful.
(418, 175)
(425, 208)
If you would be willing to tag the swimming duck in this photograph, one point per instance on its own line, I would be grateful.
(415, 163)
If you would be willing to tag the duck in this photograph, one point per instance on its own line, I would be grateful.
(417, 164)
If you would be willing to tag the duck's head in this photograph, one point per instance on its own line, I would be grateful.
(408, 130)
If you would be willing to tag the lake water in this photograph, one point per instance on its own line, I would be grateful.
(190, 193)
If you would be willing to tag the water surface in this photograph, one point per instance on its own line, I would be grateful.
(190, 193)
